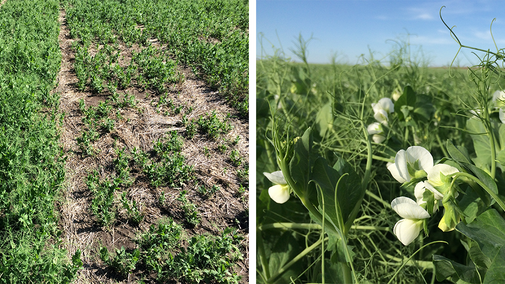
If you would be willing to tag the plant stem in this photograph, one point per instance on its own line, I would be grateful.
(375, 157)
(487, 189)
(387, 205)
(263, 258)
(409, 262)
(493, 150)
(347, 272)
(442, 146)
(308, 226)
(427, 264)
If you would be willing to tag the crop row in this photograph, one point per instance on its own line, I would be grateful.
(31, 164)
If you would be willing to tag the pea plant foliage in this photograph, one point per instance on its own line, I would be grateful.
(380, 173)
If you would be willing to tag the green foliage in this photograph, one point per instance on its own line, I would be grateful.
(170, 168)
(235, 158)
(122, 262)
(485, 249)
(312, 125)
(205, 258)
(211, 37)
(103, 200)
(212, 125)
(132, 209)
(190, 213)
(31, 164)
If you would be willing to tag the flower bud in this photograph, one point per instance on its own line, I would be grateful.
(451, 217)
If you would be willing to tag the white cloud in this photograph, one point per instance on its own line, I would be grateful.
(425, 40)
(482, 35)
(424, 16)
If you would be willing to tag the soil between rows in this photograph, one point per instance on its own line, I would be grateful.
(226, 208)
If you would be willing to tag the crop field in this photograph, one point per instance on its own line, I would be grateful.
(124, 141)
(382, 172)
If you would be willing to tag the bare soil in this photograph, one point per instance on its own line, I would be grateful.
(139, 127)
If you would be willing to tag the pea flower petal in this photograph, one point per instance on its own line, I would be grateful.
(408, 208)
(280, 192)
(416, 158)
(375, 129)
(382, 108)
(276, 177)
(437, 173)
(407, 229)
(499, 98)
(385, 104)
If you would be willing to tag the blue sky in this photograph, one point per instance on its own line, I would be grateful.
(351, 28)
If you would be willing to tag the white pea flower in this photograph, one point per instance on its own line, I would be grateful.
(382, 109)
(499, 98)
(280, 191)
(415, 162)
(376, 130)
(502, 115)
(396, 95)
(437, 176)
(476, 112)
(408, 228)
(419, 190)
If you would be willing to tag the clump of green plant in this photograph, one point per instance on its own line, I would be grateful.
(85, 141)
(235, 158)
(132, 209)
(170, 168)
(190, 213)
(206, 151)
(102, 205)
(122, 262)
(171, 142)
(204, 191)
(121, 165)
(191, 129)
(208, 258)
(212, 125)
(222, 148)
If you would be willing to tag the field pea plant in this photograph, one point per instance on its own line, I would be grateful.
(123, 141)
(384, 172)
(31, 164)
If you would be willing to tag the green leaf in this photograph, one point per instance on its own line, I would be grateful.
(332, 273)
(501, 136)
(476, 255)
(488, 230)
(495, 273)
(500, 157)
(424, 109)
(327, 179)
(481, 143)
(483, 177)
(471, 204)
(284, 250)
(301, 163)
(405, 103)
(350, 193)
(324, 119)
(459, 154)
(456, 272)
(262, 108)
